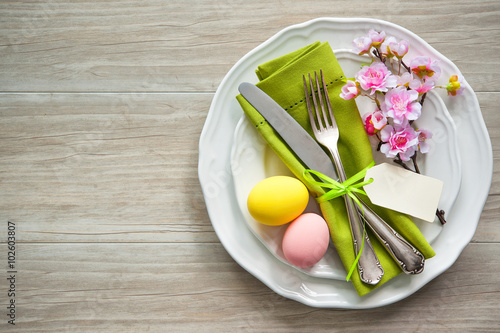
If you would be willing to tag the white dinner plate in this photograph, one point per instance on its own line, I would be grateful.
(217, 181)
(252, 160)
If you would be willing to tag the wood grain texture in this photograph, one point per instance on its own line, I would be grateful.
(103, 167)
(101, 109)
(187, 287)
(162, 45)
(123, 168)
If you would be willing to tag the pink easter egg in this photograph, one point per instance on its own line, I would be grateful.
(306, 240)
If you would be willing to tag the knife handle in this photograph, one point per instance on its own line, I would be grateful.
(408, 257)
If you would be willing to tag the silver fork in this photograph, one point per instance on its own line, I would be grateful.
(409, 259)
(326, 131)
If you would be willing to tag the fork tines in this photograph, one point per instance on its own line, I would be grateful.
(319, 87)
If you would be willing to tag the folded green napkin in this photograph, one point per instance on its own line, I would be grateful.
(282, 80)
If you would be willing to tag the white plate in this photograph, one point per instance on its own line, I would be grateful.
(252, 160)
(218, 185)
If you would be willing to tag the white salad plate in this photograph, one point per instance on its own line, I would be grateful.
(252, 160)
(219, 177)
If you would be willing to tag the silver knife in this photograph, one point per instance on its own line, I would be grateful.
(314, 157)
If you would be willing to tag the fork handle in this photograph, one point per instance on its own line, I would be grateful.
(408, 257)
(370, 270)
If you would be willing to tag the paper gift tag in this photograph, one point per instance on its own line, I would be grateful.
(404, 191)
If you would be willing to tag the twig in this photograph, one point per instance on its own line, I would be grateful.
(405, 66)
(399, 161)
(377, 53)
(380, 142)
(423, 99)
(414, 160)
(440, 214)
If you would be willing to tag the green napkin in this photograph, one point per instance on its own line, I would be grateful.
(282, 80)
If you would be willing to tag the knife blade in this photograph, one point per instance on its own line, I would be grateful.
(297, 138)
(314, 157)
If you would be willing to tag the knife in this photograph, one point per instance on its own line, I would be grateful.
(314, 157)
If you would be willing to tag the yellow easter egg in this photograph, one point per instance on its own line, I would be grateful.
(277, 200)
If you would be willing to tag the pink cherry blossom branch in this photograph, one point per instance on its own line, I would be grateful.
(403, 93)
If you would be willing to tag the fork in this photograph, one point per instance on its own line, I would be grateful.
(326, 131)
(409, 259)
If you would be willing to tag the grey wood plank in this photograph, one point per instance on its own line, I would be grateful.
(488, 229)
(123, 167)
(103, 167)
(184, 287)
(489, 108)
(170, 46)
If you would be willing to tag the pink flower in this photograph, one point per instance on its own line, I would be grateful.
(399, 49)
(375, 77)
(405, 79)
(425, 68)
(384, 48)
(400, 104)
(374, 122)
(454, 87)
(350, 90)
(376, 37)
(402, 141)
(421, 87)
(423, 135)
(362, 45)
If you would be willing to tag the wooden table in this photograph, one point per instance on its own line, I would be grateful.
(101, 109)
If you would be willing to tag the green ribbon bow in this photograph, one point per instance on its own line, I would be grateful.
(349, 187)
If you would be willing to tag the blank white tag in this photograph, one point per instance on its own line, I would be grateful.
(404, 191)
